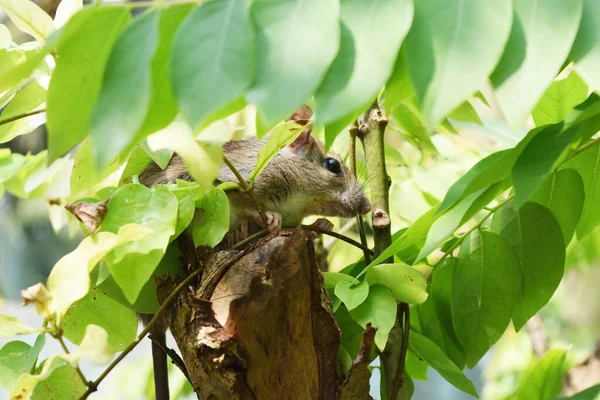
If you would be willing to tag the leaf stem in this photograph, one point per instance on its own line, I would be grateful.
(247, 189)
(93, 386)
(359, 219)
(581, 149)
(21, 116)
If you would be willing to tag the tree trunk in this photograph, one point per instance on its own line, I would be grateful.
(259, 324)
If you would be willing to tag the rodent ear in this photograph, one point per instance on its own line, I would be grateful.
(299, 146)
(302, 116)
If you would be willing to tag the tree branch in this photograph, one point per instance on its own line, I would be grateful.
(371, 129)
(359, 219)
(93, 386)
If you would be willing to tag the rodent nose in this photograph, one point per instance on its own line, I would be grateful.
(366, 208)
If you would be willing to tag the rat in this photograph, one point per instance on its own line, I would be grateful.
(301, 180)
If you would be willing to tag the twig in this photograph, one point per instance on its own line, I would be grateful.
(66, 350)
(249, 239)
(247, 189)
(581, 149)
(175, 359)
(21, 116)
(359, 219)
(93, 386)
(340, 237)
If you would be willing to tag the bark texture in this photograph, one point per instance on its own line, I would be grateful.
(259, 324)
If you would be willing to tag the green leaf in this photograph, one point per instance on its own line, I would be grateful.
(10, 326)
(69, 280)
(29, 18)
(84, 49)
(15, 67)
(125, 95)
(439, 44)
(214, 221)
(544, 381)
(86, 178)
(435, 357)
(592, 393)
(289, 67)
(564, 195)
(213, 52)
(10, 165)
(535, 54)
(98, 309)
(26, 383)
(399, 87)
(415, 367)
(333, 278)
(448, 223)
(162, 107)
(64, 383)
(202, 160)
(352, 295)
(559, 99)
(14, 361)
(486, 289)
(538, 159)
(465, 113)
(380, 310)
(160, 157)
(587, 164)
(185, 214)
(280, 137)
(368, 51)
(407, 284)
(133, 263)
(38, 346)
(408, 118)
(28, 99)
(442, 283)
(586, 49)
(536, 239)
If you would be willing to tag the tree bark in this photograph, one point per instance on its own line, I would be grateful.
(259, 324)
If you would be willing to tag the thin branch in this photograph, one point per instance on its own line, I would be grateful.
(60, 339)
(340, 237)
(21, 116)
(249, 239)
(247, 189)
(93, 386)
(581, 149)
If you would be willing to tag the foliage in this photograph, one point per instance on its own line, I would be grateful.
(124, 91)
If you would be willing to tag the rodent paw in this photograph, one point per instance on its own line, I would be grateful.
(273, 221)
(323, 224)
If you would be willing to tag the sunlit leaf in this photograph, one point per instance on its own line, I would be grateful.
(352, 295)
(132, 264)
(65, 10)
(214, 221)
(13, 362)
(560, 98)
(465, 113)
(486, 288)
(368, 51)
(212, 61)
(10, 326)
(84, 49)
(536, 239)
(435, 357)
(543, 32)
(444, 38)
(203, 160)
(64, 383)
(289, 67)
(407, 284)
(93, 347)
(280, 137)
(5, 37)
(69, 280)
(26, 384)
(333, 278)
(29, 18)
(28, 99)
(380, 310)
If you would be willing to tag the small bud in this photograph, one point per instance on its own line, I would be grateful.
(38, 295)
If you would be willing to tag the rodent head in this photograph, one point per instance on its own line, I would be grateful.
(319, 182)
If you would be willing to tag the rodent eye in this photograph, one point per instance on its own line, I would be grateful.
(332, 165)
